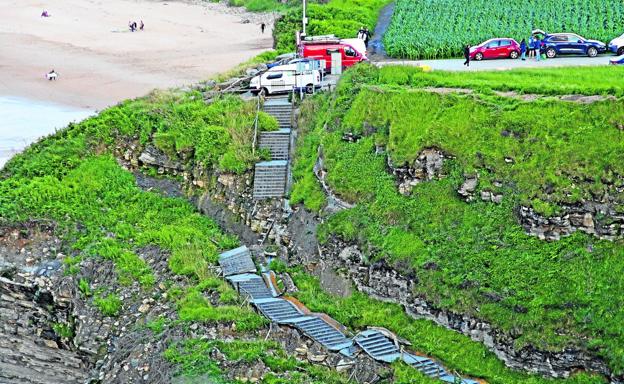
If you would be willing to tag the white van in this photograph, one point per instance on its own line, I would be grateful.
(287, 78)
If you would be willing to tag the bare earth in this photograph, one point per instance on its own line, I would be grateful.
(101, 62)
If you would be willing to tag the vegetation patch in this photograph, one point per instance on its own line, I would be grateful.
(194, 359)
(342, 18)
(456, 351)
(435, 29)
(475, 258)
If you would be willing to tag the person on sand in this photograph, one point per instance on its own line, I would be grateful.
(467, 55)
(132, 25)
(262, 27)
(523, 49)
(45, 13)
(142, 25)
(52, 75)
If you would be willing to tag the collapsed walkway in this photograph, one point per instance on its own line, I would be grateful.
(271, 177)
(261, 290)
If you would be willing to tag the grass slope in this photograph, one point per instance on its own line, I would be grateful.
(439, 28)
(342, 18)
(549, 295)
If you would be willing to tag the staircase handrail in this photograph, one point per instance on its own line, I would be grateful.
(255, 135)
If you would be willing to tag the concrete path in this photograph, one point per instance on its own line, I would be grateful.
(503, 64)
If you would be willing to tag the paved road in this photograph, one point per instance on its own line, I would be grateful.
(457, 64)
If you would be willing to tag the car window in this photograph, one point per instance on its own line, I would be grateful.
(349, 52)
(505, 43)
(576, 38)
(274, 76)
(492, 44)
(559, 38)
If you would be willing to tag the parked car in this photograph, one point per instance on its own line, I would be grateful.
(617, 45)
(571, 44)
(617, 60)
(499, 48)
(325, 49)
(284, 79)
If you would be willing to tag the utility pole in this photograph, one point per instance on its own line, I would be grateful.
(304, 20)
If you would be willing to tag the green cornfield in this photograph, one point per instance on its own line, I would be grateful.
(435, 29)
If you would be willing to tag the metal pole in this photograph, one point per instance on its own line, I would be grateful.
(304, 20)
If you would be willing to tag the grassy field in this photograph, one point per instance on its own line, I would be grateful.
(342, 18)
(603, 80)
(435, 29)
(549, 294)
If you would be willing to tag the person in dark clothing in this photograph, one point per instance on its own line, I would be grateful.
(141, 26)
(367, 36)
(467, 55)
(523, 49)
(262, 27)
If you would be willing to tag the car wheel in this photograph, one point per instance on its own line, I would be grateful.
(620, 51)
(514, 54)
(479, 56)
(264, 92)
(309, 89)
(592, 52)
(551, 53)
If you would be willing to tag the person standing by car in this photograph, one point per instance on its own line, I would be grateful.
(523, 49)
(538, 49)
(467, 55)
(531, 46)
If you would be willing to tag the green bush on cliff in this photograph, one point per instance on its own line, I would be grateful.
(342, 18)
(474, 257)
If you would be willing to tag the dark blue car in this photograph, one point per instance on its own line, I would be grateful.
(571, 44)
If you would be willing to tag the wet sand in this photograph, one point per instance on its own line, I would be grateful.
(101, 62)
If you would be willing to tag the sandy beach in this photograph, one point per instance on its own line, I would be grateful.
(101, 62)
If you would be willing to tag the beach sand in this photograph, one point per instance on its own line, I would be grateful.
(100, 62)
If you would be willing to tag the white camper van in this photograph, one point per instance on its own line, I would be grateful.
(287, 78)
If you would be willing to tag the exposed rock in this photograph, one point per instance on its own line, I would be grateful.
(153, 156)
(386, 284)
(468, 187)
(599, 219)
(28, 344)
(427, 166)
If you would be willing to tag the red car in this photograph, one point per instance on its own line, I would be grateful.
(501, 48)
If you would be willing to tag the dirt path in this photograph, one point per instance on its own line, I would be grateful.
(101, 62)
(376, 47)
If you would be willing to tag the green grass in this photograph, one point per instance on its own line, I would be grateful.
(603, 80)
(195, 307)
(439, 28)
(550, 295)
(193, 357)
(63, 330)
(109, 305)
(456, 351)
(342, 18)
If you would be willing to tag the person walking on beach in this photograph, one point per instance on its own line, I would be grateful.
(523, 49)
(52, 75)
(45, 13)
(467, 55)
(262, 27)
(142, 25)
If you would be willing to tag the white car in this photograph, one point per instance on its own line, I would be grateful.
(286, 78)
(617, 45)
